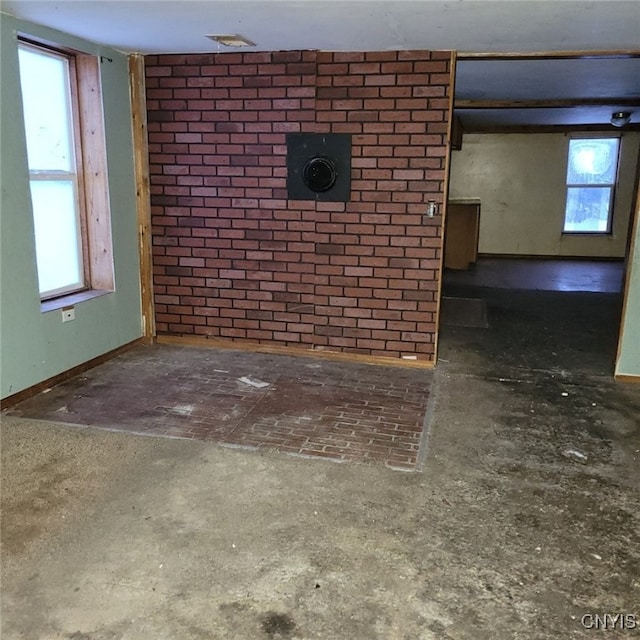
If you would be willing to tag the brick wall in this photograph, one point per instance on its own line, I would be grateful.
(234, 259)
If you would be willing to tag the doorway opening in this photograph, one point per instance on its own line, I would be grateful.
(521, 288)
(555, 315)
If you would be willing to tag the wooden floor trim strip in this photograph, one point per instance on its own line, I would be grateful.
(215, 343)
(625, 377)
(13, 399)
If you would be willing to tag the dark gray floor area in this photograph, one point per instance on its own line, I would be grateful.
(547, 330)
(546, 274)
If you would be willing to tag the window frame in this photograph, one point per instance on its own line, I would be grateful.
(611, 185)
(75, 175)
(91, 175)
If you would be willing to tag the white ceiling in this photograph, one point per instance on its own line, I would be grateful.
(467, 26)
(152, 26)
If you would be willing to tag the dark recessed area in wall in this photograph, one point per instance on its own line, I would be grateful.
(319, 166)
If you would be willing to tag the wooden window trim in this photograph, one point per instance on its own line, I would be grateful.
(95, 174)
(80, 159)
(91, 172)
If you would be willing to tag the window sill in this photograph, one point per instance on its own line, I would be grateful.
(71, 299)
(602, 234)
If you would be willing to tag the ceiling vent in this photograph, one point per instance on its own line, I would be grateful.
(231, 40)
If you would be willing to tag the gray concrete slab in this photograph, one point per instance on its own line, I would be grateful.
(525, 518)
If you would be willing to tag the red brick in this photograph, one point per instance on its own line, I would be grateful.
(381, 80)
(397, 67)
(332, 69)
(348, 81)
(365, 68)
(301, 69)
(364, 92)
(332, 93)
(381, 56)
(380, 127)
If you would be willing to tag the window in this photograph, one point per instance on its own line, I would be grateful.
(53, 174)
(591, 177)
(67, 170)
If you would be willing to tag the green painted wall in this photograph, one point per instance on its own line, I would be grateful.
(35, 346)
(629, 357)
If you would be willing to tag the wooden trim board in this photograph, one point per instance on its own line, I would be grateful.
(546, 128)
(29, 392)
(528, 256)
(631, 247)
(143, 198)
(95, 175)
(625, 377)
(217, 343)
(551, 55)
(547, 104)
(445, 199)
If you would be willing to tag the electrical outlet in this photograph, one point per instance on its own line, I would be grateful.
(68, 314)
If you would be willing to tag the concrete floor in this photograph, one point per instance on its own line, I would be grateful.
(525, 518)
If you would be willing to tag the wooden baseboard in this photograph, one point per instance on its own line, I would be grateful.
(526, 256)
(29, 392)
(625, 377)
(217, 343)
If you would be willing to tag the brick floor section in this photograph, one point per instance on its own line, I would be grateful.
(313, 407)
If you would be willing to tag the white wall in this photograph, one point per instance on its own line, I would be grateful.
(520, 181)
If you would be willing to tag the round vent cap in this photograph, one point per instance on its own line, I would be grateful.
(319, 174)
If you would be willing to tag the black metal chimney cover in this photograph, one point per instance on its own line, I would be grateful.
(319, 166)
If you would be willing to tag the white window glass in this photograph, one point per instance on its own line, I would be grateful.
(47, 110)
(57, 230)
(45, 81)
(591, 176)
